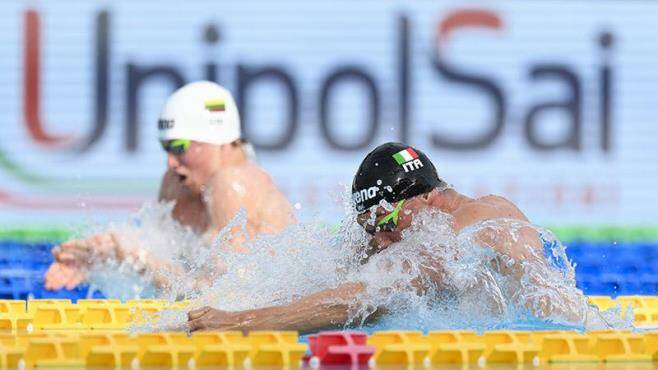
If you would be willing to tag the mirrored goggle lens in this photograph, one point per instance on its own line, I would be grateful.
(389, 225)
(384, 226)
(176, 147)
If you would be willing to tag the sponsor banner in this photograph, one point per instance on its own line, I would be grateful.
(551, 104)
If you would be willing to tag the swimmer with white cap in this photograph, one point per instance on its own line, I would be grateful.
(407, 180)
(210, 177)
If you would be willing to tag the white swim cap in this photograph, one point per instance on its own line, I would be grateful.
(200, 111)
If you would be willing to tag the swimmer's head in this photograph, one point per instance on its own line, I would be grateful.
(199, 128)
(391, 184)
(200, 111)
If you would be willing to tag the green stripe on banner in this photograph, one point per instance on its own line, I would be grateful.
(607, 233)
(566, 234)
(33, 235)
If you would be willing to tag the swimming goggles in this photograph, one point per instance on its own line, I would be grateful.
(176, 146)
(388, 223)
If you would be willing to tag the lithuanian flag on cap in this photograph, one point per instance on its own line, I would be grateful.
(215, 105)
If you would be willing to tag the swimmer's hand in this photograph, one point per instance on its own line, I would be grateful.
(73, 257)
(60, 275)
(81, 251)
(208, 318)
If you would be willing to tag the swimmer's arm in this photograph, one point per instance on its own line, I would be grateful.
(326, 309)
(161, 272)
(527, 248)
(497, 238)
(80, 254)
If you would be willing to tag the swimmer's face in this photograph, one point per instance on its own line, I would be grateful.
(194, 166)
(382, 237)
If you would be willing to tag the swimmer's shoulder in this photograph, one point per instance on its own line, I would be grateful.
(487, 208)
(255, 190)
(503, 207)
(247, 175)
(267, 198)
(494, 200)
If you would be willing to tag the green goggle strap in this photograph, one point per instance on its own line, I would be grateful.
(393, 216)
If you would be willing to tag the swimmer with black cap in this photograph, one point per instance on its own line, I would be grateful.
(401, 177)
(393, 184)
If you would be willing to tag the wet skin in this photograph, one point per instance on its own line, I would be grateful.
(209, 184)
(329, 308)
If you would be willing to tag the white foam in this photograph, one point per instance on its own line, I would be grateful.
(474, 289)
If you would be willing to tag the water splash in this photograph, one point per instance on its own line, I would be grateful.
(432, 279)
(476, 287)
(154, 230)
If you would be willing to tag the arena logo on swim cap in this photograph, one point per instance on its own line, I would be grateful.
(365, 194)
(215, 105)
(165, 124)
(408, 159)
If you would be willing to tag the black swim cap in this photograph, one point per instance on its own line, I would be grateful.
(393, 171)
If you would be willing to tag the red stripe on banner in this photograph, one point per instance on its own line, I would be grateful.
(69, 204)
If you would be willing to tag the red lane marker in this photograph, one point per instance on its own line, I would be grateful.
(341, 348)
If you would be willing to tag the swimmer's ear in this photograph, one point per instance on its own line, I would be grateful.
(426, 198)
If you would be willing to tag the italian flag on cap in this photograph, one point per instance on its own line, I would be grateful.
(404, 156)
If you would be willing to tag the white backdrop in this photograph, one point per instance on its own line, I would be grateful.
(441, 72)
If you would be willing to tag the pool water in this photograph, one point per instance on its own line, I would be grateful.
(309, 257)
